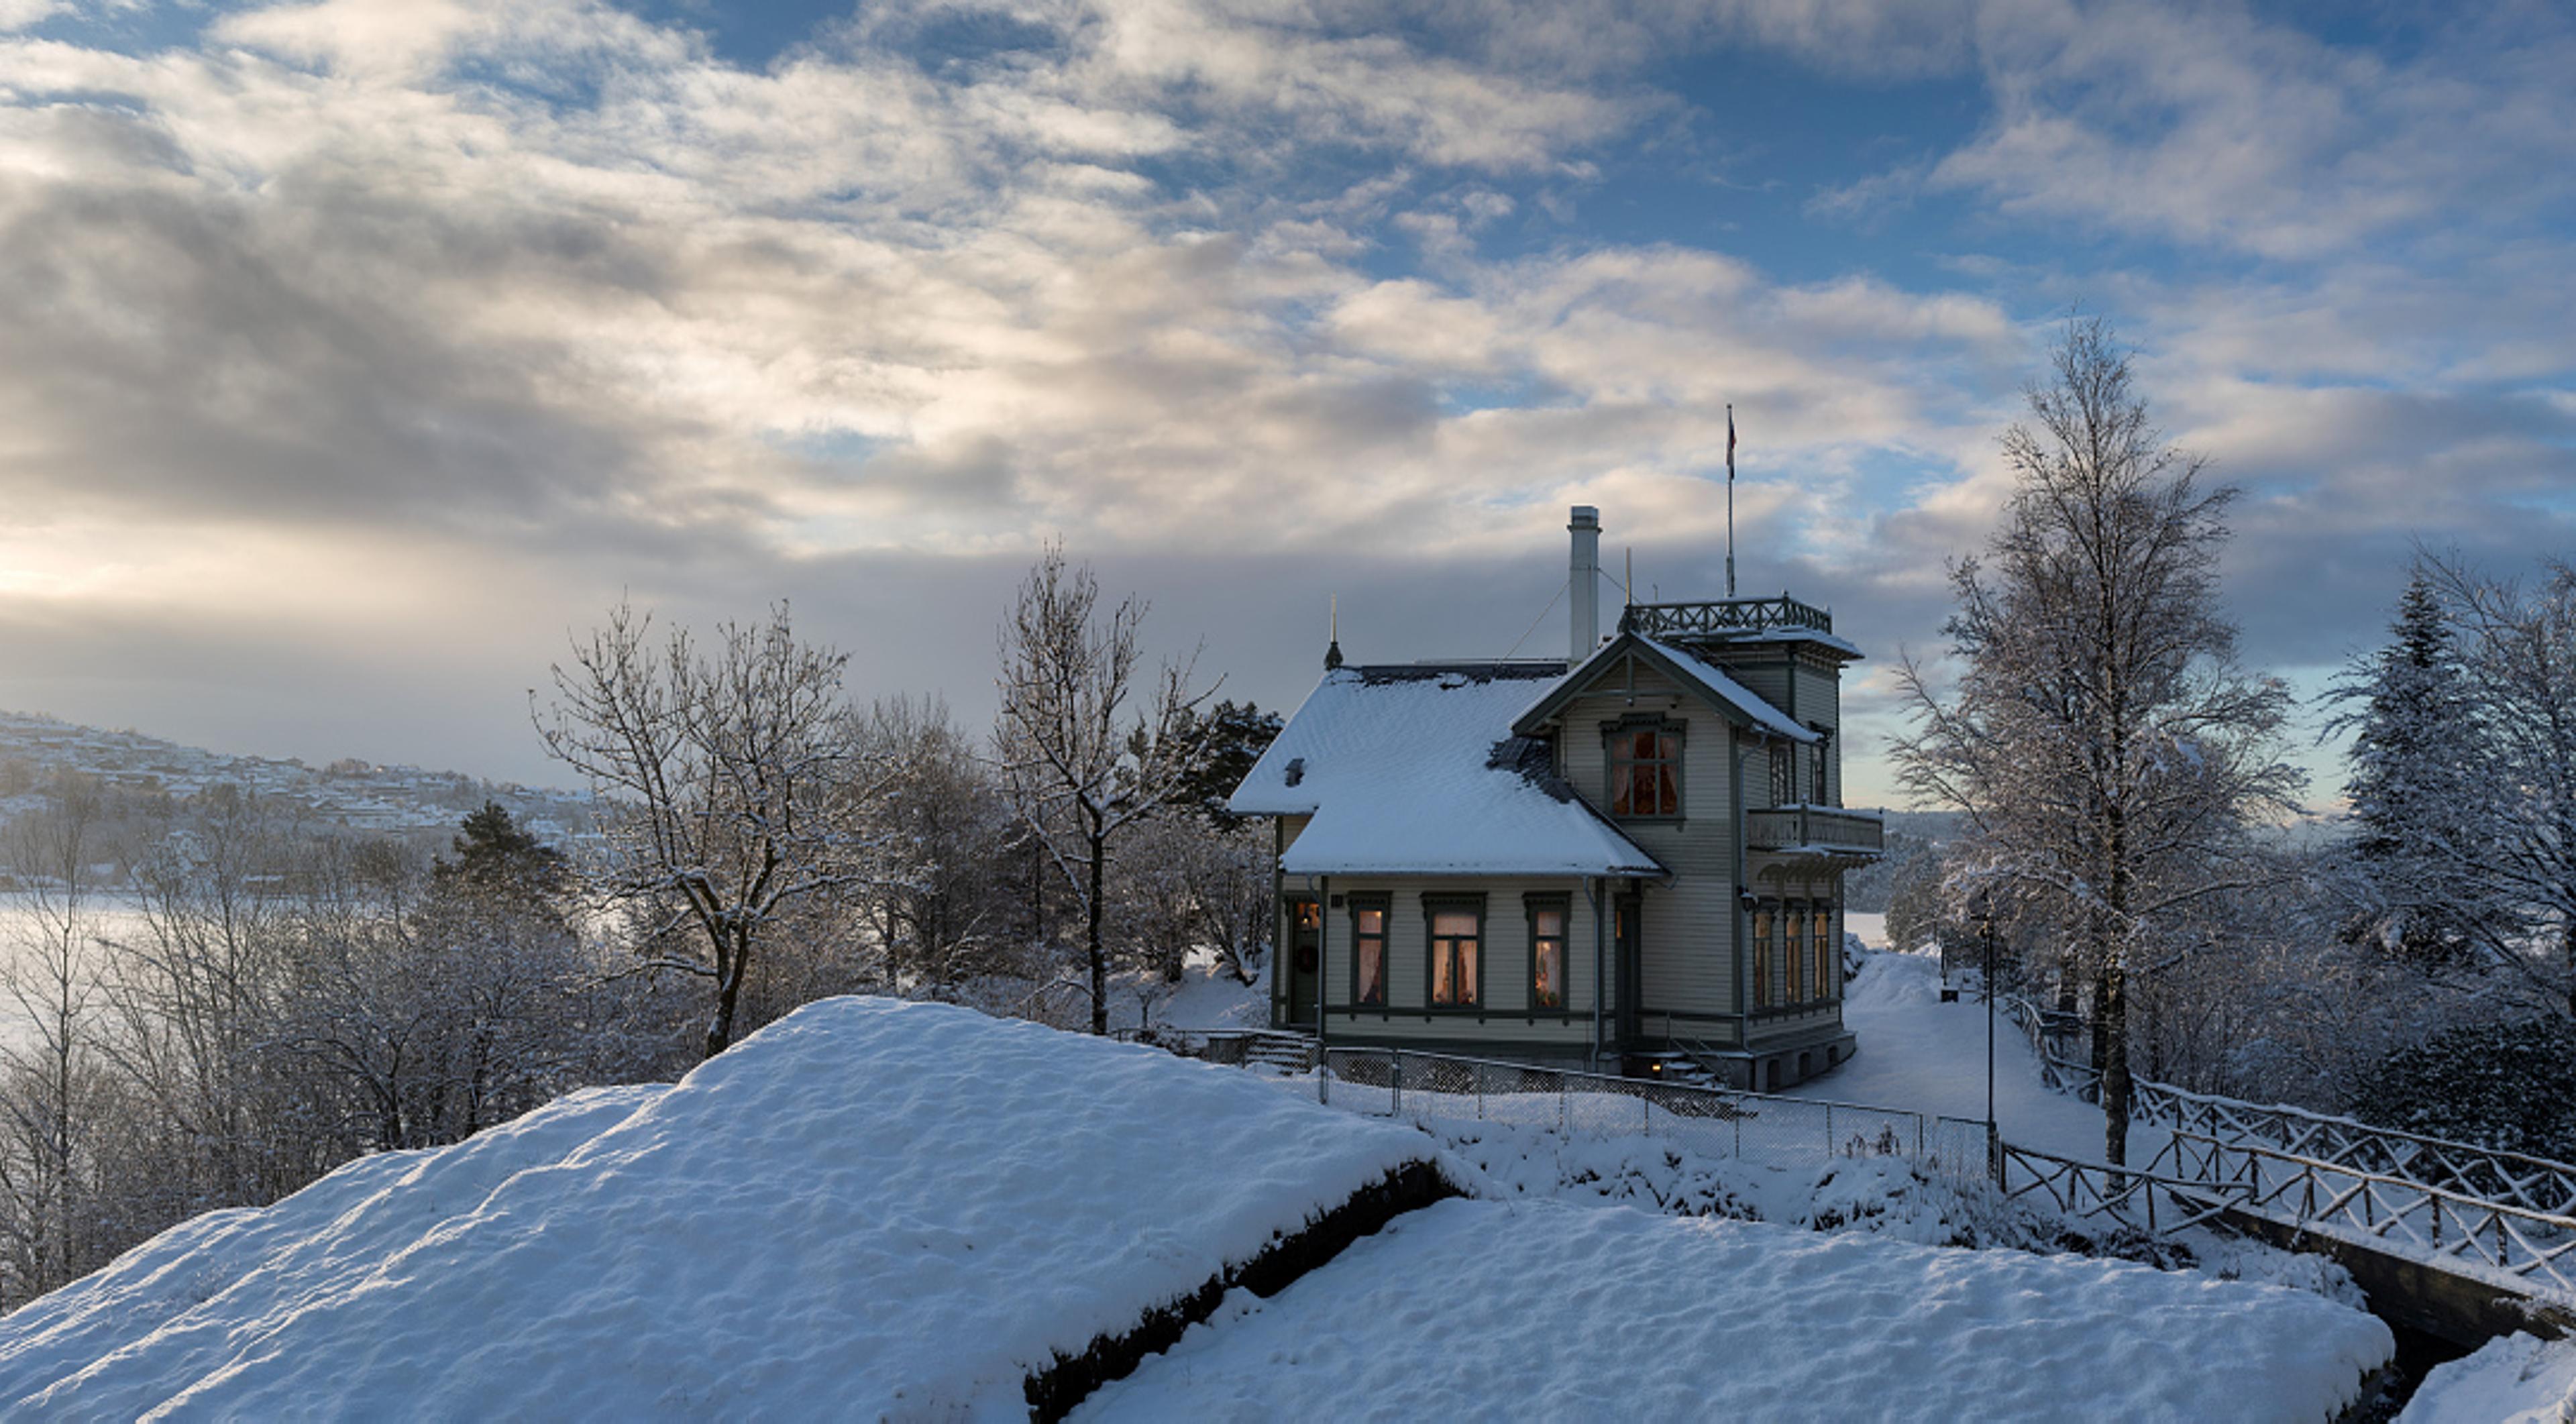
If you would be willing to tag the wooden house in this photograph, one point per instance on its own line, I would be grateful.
(1631, 858)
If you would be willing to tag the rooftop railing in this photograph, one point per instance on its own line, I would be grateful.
(1722, 617)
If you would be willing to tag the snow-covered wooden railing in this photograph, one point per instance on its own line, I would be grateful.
(2093, 1192)
(2535, 1250)
(2507, 1179)
(1717, 1121)
(2046, 1028)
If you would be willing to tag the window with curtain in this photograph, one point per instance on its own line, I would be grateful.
(1795, 948)
(1821, 925)
(1368, 954)
(1547, 956)
(1456, 939)
(1762, 918)
(1645, 772)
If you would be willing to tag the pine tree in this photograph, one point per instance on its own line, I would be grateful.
(2414, 730)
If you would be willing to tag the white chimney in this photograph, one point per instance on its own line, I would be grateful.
(1583, 620)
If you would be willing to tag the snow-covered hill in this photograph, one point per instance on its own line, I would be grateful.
(903, 1211)
(868, 1209)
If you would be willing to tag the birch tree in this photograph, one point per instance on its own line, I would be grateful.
(731, 787)
(2105, 746)
(1089, 744)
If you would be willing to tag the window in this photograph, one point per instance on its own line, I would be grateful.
(1821, 924)
(1780, 778)
(1368, 951)
(1762, 956)
(1547, 954)
(1457, 937)
(1816, 768)
(1645, 772)
(1797, 945)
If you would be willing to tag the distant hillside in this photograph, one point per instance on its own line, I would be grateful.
(146, 777)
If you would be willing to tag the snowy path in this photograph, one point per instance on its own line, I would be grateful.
(1917, 1052)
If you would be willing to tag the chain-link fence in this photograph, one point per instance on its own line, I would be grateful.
(1717, 1122)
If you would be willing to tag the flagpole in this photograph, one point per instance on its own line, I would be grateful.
(1730, 499)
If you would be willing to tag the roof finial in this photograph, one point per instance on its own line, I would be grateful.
(1333, 652)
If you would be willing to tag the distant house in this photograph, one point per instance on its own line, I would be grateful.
(1631, 858)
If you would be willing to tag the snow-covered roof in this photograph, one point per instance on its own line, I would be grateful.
(1721, 691)
(1415, 770)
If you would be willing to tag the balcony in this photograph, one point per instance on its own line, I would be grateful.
(1828, 832)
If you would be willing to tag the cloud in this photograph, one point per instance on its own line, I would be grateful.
(343, 307)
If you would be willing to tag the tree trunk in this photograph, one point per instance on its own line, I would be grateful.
(2112, 1042)
(728, 992)
(1091, 938)
(2567, 937)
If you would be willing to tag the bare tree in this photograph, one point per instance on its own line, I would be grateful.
(1088, 748)
(939, 922)
(2108, 751)
(47, 1096)
(730, 784)
(2515, 860)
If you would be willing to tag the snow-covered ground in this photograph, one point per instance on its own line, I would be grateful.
(1917, 1052)
(1207, 997)
(1547, 1310)
(2515, 1380)
(868, 1209)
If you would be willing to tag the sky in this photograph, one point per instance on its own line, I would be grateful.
(356, 356)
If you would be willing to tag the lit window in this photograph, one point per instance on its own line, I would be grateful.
(1547, 957)
(1822, 925)
(1797, 945)
(1456, 936)
(1645, 772)
(1368, 954)
(1762, 956)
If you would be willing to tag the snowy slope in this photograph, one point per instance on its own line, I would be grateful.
(1542, 1310)
(868, 1209)
(1917, 1052)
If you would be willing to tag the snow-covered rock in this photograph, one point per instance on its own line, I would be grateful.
(1548, 1310)
(2519, 1379)
(869, 1209)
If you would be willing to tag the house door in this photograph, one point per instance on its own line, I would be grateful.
(1626, 912)
(1305, 961)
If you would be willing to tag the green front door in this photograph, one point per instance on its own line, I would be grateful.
(1305, 961)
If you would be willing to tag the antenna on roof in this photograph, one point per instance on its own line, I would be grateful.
(1730, 499)
(1333, 652)
(1628, 580)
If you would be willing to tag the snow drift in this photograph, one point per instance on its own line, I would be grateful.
(1548, 1310)
(870, 1208)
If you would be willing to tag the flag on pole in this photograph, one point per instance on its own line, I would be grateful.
(1730, 443)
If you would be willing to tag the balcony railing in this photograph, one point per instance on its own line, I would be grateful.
(1722, 617)
(1816, 830)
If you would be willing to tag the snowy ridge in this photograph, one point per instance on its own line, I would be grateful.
(868, 1209)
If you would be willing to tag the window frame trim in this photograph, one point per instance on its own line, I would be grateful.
(1433, 904)
(1532, 902)
(1384, 904)
(1678, 728)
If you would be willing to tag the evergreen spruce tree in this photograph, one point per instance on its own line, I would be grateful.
(2415, 731)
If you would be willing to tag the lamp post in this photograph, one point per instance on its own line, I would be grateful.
(1994, 1136)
